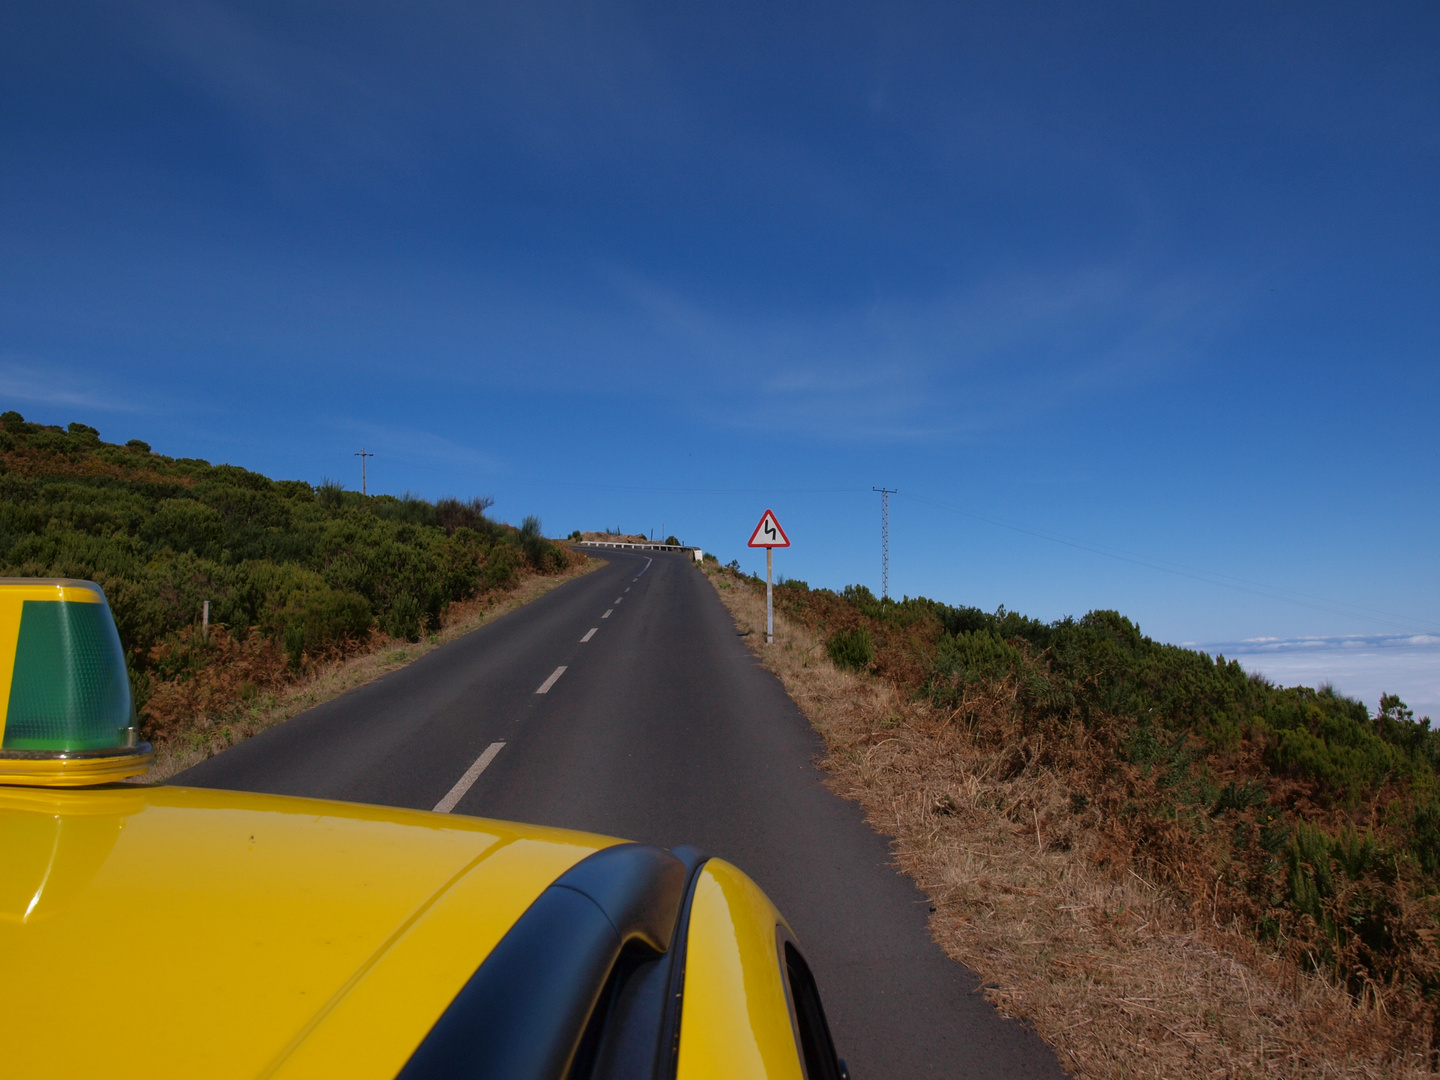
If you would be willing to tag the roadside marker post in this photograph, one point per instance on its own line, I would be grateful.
(769, 535)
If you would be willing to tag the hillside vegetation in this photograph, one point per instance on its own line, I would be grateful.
(294, 574)
(1290, 815)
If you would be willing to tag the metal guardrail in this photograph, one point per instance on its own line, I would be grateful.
(695, 552)
(637, 547)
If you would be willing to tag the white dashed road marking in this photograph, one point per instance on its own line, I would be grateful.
(627, 588)
(607, 613)
(545, 686)
(445, 805)
(618, 599)
(589, 635)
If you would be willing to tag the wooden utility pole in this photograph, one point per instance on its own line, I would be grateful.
(362, 455)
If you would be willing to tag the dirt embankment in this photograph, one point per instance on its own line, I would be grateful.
(617, 538)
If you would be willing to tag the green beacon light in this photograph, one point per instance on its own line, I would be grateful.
(66, 715)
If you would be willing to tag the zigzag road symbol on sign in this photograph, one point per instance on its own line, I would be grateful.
(769, 533)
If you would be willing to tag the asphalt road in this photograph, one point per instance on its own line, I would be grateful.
(662, 728)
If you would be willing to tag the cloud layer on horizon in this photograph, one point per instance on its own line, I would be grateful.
(1360, 666)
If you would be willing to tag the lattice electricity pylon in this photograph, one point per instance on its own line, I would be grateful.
(885, 494)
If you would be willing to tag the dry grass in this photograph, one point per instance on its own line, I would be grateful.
(1121, 977)
(28, 461)
(211, 730)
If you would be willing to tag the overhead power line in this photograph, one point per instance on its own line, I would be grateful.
(688, 490)
(1405, 623)
(1209, 577)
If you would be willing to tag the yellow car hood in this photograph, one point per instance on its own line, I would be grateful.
(170, 931)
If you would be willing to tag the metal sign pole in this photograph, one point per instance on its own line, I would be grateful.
(769, 535)
(769, 597)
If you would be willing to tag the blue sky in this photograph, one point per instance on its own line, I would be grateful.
(1137, 306)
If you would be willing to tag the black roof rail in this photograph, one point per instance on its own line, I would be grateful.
(585, 983)
(635, 1031)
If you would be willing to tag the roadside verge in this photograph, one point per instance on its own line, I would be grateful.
(208, 736)
(1117, 973)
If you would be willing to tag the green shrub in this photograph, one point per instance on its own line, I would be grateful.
(403, 618)
(327, 618)
(540, 553)
(1322, 820)
(186, 525)
(294, 638)
(971, 657)
(864, 601)
(851, 650)
(311, 569)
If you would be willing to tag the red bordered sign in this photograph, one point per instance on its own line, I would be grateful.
(768, 533)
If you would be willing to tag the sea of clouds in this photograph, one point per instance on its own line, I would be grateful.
(1357, 666)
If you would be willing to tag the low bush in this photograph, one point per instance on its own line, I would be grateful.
(851, 650)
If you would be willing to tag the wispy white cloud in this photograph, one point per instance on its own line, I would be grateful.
(375, 88)
(964, 361)
(28, 381)
(1276, 645)
(307, 108)
(399, 92)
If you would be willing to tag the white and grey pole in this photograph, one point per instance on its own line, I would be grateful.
(769, 535)
(769, 596)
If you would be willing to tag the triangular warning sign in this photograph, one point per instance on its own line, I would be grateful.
(768, 533)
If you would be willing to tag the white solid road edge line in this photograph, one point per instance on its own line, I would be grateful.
(445, 805)
(545, 686)
(607, 613)
(589, 634)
